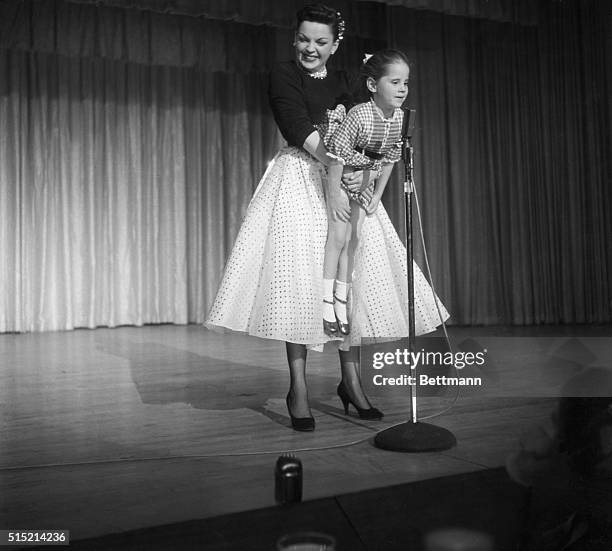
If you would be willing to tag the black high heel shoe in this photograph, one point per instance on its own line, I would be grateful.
(370, 413)
(302, 424)
(330, 327)
(344, 328)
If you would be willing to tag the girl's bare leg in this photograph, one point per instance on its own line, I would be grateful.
(343, 273)
(343, 277)
(357, 218)
(336, 240)
(298, 391)
(347, 262)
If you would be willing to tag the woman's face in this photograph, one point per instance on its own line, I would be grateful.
(314, 43)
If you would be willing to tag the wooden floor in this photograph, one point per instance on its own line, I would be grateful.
(108, 430)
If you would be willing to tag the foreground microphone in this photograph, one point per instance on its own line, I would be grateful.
(408, 123)
(288, 479)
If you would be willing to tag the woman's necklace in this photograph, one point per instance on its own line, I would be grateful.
(319, 74)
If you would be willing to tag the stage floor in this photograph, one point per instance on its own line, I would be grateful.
(109, 430)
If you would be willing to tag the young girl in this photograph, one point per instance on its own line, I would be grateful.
(368, 139)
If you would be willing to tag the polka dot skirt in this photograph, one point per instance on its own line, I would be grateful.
(273, 282)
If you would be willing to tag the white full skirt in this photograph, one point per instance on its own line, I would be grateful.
(272, 286)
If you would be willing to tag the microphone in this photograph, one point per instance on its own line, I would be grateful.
(288, 479)
(408, 123)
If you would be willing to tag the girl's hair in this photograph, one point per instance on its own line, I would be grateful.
(320, 13)
(376, 66)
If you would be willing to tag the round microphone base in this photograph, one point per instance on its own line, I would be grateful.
(415, 438)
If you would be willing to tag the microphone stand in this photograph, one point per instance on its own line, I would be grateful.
(412, 436)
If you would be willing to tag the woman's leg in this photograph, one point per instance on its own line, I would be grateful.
(298, 391)
(351, 380)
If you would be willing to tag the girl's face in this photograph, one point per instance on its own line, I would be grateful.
(314, 43)
(390, 90)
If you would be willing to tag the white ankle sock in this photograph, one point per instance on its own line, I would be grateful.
(341, 291)
(328, 295)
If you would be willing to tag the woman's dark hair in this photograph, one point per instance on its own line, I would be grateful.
(375, 68)
(320, 13)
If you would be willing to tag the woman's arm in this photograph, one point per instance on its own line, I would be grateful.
(315, 146)
(337, 200)
(291, 115)
(288, 104)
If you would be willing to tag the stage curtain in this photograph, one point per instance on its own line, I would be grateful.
(513, 146)
(148, 37)
(115, 186)
(281, 12)
(524, 12)
(131, 146)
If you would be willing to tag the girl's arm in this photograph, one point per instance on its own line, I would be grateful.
(392, 156)
(381, 184)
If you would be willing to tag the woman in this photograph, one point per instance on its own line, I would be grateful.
(273, 282)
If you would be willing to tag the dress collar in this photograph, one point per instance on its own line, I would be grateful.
(380, 113)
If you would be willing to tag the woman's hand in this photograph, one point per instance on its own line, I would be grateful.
(338, 204)
(353, 180)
